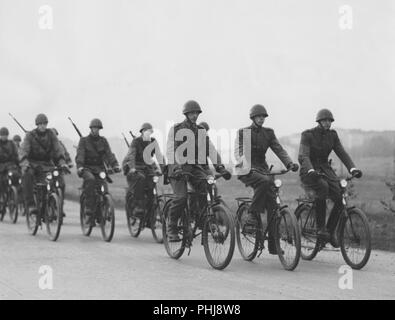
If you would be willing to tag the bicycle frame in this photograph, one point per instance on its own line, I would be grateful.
(44, 190)
(262, 234)
(213, 199)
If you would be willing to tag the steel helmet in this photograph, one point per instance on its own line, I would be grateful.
(324, 114)
(41, 119)
(96, 123)
(4, 131)
(146, 126)
(17, 138)
(258, 110)
(204, 125)
(191, 106)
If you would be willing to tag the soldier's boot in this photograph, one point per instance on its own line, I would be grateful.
(172, 230)
(322, 233)
(90, 214)
(251, 223)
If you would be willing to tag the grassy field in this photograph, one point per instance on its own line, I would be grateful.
(368, 193)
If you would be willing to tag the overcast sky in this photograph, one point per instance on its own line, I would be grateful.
(129, 61)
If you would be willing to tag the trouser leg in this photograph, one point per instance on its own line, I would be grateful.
(335, 196)
(89, 189)
(27, 187)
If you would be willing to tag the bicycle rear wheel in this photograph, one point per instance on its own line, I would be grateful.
(355, 238)
(306, 218)
(174, 249)
(107, 223)
(247, 242)
(287, 235)
(218, 238)
(54, 217)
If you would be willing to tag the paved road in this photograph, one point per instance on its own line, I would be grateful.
(128, 268)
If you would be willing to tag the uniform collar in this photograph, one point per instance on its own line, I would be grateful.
(189, 124)
(321, 130)
(255, 127)
(93, 137)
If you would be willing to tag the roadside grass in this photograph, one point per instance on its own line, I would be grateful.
(368, 193)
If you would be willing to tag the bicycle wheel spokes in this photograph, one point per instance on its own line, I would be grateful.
(355, 239)
(107, 222)
(54, 217)
(246, 240)
(288, 240)
(174, 249)
(219, 238)
(307, 223)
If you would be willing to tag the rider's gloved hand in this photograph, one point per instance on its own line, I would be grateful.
(126, 169)
(24, 169)
(225, 173)
(177, 171)
(313, 175)
(117, 169)
(356, 173)
(293, 166)
(80, 170)
(65, 167)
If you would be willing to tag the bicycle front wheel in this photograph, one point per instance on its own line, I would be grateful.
(54, 218)
(218, 238)
(13, 204)
(287, 236)
(355, 238)
(107, 223)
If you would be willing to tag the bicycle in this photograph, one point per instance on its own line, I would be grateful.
(215, 224)
(104, 213)
(47, 197)
(9, 199)
(283, 223)
(352, 230)
(152, 216)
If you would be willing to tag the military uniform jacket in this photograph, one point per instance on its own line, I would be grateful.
(141, 152)
(43, 148)
(93, 152)
(8, 155)
(315, 146)
(202, 145)
(255, 152)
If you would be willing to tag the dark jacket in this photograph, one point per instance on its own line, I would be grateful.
(179, 135)
(8, 155)
(255, 152)
(93, 153)
(41, 147)
(315, 146)
(141, 152)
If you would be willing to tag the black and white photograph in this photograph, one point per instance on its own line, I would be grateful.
(197, 154)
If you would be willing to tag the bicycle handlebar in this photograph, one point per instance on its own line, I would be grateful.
(278, 173)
